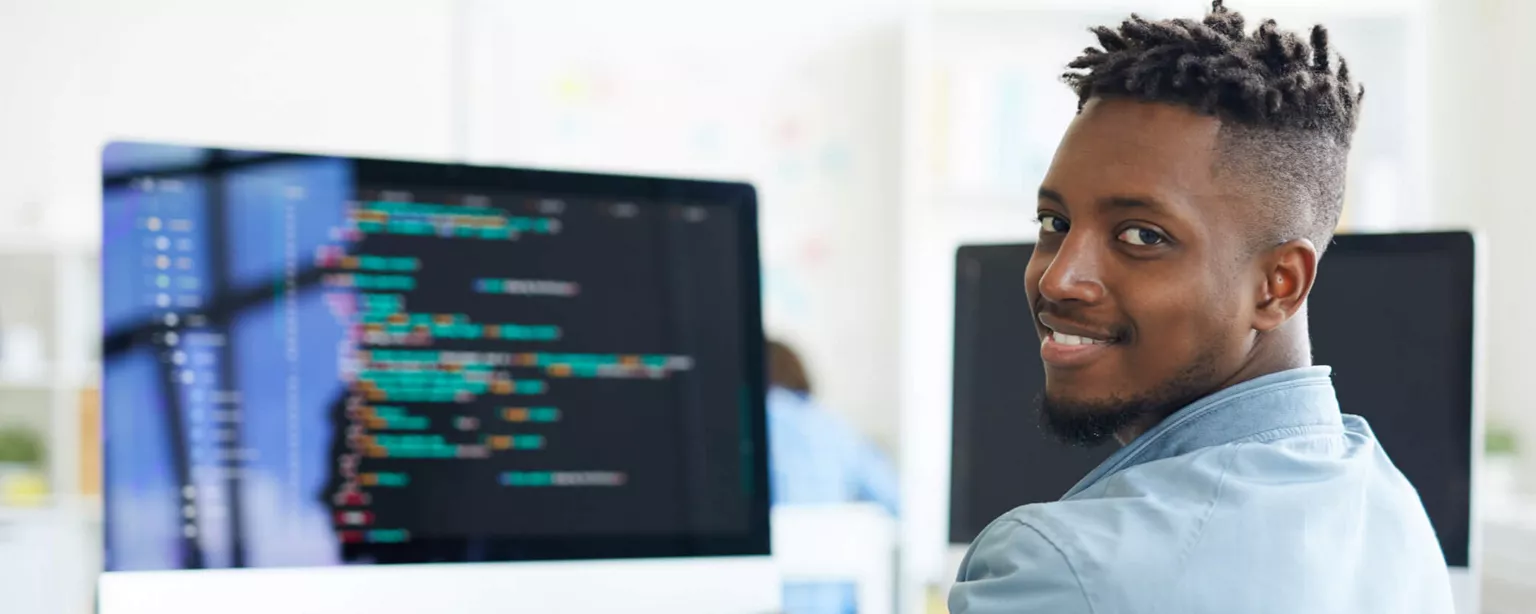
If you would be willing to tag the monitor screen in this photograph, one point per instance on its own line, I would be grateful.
(1001, 457)
(1403, 363)
(314, 361)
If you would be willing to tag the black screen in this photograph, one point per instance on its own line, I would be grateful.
(1002, 458)
(1391, 314)
(319, 360)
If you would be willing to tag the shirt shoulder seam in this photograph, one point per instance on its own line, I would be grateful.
(1076, 577)
(1210, 509)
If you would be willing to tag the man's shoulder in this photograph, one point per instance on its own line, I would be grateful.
(1125, 534)
(1135, 524)
(1080, 555)
(1014, 567)
(1089, 535)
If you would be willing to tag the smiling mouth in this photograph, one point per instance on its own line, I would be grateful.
(1078, 348)
(1069, 333)
(1071, 340)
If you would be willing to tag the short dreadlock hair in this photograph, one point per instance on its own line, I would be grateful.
(1287, 116)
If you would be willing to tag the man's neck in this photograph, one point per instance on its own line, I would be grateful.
(1282, 349)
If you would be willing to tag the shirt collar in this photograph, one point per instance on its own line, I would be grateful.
(1287, 399)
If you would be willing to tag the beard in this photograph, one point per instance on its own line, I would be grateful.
(1093, 422)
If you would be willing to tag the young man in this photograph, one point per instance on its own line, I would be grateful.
(1182, 222)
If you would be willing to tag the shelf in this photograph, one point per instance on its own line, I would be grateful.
(51, 379)
(1509, 540)
(40, 383)
(43, 243)
(78, 508)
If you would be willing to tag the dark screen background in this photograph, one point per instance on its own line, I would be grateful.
(651, 282)
(1391, 314)
(1394, 320)
(1002, 458)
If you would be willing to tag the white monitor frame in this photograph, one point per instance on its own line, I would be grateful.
(726, 585)
(1467, 582)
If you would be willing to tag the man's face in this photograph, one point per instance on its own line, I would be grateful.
(1137, 280)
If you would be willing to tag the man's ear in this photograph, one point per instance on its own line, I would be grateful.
(1289, 271)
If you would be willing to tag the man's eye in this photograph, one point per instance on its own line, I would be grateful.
(1053, 223)
(1141, 236)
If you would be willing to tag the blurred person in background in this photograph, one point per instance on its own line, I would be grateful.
(817, 458)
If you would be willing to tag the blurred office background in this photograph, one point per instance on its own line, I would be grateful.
(880, 133)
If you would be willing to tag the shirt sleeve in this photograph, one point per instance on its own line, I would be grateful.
(1014, 568)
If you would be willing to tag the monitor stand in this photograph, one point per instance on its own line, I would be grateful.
(1466, 590)
(728, 585)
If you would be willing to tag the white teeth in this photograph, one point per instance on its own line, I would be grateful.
(1065, 339)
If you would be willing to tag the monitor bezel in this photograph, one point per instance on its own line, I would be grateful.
(645, 191)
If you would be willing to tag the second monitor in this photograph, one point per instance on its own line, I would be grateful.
(1391, 314)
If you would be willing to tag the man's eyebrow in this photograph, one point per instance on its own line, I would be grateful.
(1133, 202)
(1111, 202)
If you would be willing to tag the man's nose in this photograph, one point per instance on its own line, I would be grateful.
(1075, 272)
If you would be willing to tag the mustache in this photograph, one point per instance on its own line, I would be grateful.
(1076, 317)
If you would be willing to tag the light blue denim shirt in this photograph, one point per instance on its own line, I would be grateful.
(1261, 498)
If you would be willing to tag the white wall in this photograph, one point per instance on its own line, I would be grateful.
(1481, 128)
(343, 75)
(1499, 127)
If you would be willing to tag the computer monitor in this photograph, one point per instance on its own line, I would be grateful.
(1001, 458)
(324, 373)
(1392, 314)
